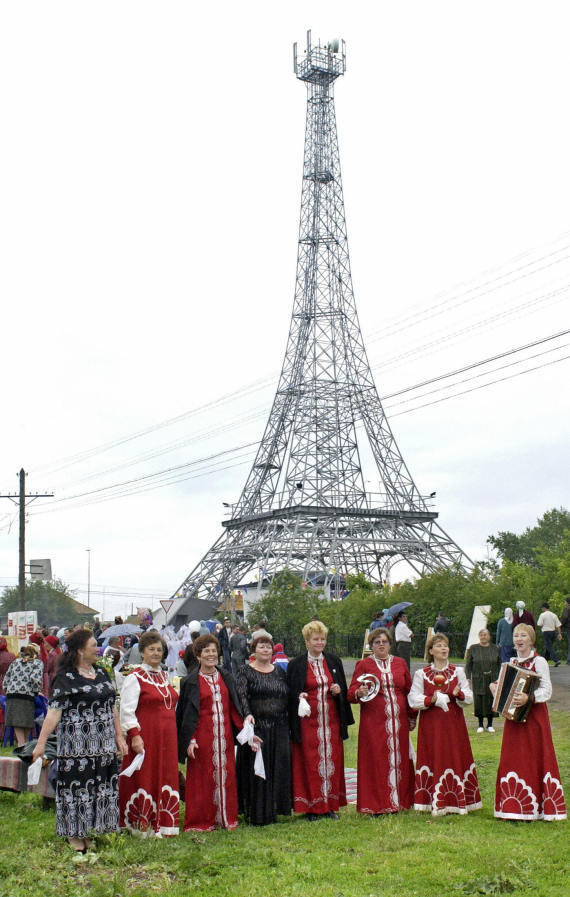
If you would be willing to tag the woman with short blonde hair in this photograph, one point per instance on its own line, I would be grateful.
(317, 766)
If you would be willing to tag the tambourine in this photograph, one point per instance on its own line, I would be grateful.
(373, 684)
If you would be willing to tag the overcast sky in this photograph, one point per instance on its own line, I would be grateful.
(151, 177)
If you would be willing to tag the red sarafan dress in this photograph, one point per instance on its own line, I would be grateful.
(385, 782)
(149, 800)
(446, 778)
(528, 780)
(211, 788)
(317, 763)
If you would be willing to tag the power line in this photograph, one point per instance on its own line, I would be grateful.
(178, 478)
(477, 364)
(406, 322)
(482, 386)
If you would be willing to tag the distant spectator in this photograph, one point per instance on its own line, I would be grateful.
(550, 625)
(37, 639)
(376, 622)
(6, 658)
(442, 624)
(504, 636)
(187, 661)
(404, 636)
(22, 683)
(522, 616)
(224, 636)
(52, 660)
(238, 648)
(565, 625)
(279, 657)
(385, 619)
(114, 650)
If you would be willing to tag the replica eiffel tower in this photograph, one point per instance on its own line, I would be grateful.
(304, 505)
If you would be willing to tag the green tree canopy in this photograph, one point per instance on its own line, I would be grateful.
(287, 606)
(549, 533)
(53, 602)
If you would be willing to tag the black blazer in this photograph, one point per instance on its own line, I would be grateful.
(188, 708)
(296, 678)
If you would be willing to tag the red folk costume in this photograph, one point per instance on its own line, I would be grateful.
(528, 780)
(385, 782)
(211, 788)
(318, 761)
(446, 778)
(149, 799)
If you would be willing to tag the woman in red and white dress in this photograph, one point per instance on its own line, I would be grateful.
(208, 716)
(528, 780)
(385, 782)
(446, 778)
(317, 754)
(149, 799)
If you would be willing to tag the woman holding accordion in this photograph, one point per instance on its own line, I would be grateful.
(381, 684)
(528, 780)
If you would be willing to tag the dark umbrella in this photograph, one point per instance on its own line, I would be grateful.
(398, 608)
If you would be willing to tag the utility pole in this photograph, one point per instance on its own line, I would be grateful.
(88, 550)
(19, 498)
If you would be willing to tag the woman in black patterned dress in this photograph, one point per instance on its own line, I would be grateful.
(82, 707)
(263, 693)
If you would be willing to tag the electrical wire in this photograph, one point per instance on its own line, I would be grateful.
(406, 322)
(134, 490)
(482, 386)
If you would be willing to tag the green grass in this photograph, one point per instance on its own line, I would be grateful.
(406, 855)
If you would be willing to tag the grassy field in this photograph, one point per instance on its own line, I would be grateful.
(406, 855)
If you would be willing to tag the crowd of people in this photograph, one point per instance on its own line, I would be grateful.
(264, 737)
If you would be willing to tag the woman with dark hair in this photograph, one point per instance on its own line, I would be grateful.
(385, 781)
(82, 707)
(446, 778)
(149, 799)
(317, 676)
(22, 683)
(528, 779)
(263, 692)
(208, 716)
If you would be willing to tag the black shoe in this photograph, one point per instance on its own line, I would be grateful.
(557, 664)
(332, 815)
(311, 817)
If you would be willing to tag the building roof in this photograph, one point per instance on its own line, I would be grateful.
(84, 609)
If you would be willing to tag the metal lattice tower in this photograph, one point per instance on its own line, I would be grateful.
(304, 505)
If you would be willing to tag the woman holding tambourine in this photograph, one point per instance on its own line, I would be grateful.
(528, 780)
(380, 685)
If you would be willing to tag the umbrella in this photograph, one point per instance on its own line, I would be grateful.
(398, 608)
(120, 629)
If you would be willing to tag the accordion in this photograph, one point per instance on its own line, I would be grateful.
(512, 681)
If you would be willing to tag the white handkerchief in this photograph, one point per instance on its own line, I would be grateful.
(442, 700)
(35, 771)
(246, 734)
(259, 766)
(304, 709)
(136, 764)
